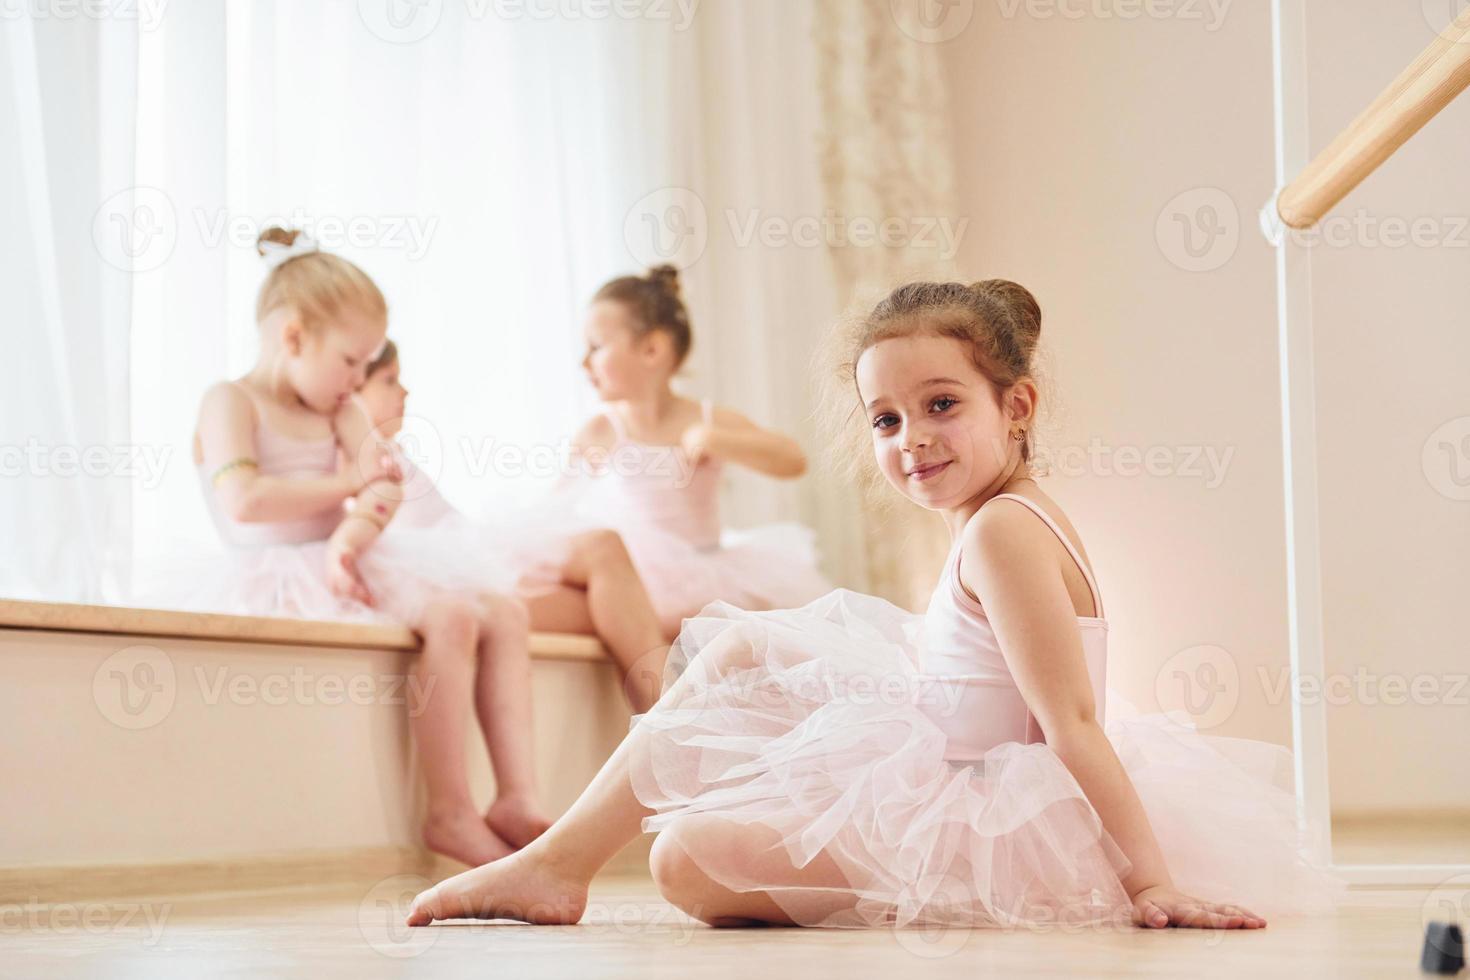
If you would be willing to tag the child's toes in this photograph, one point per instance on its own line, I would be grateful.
(421, 912)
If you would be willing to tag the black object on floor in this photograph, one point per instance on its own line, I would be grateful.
(1444, 949)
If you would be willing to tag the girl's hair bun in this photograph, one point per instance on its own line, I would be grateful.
(276, 235)
(654, 301)
(1018, 307)
(666, 278)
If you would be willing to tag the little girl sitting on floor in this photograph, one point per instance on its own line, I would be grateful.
(852, 764)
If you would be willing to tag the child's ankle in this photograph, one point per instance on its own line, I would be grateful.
(449, 809)
(524, 796)
(562, 862)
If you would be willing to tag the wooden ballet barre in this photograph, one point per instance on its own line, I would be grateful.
(1415, 97)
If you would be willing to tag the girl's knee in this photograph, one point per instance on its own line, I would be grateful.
(451, 622)
(676, 874)
(601, 549)
(504, 613)
(685, 884)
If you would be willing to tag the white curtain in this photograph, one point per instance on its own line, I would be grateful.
(489, 172)
(68, 238)
(479, 168)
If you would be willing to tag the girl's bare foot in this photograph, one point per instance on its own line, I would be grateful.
(463, 836)
(516, 819)
(523, 886)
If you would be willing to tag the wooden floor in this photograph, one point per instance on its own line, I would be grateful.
(350, 932)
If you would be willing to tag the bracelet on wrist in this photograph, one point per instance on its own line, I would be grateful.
(233, 466)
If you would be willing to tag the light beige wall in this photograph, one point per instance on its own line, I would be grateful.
(264, 764)
(1074, 137)
(1392, 350)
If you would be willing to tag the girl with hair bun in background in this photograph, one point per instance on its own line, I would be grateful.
(652, 461)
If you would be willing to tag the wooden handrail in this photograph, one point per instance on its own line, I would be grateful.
(1415, 97)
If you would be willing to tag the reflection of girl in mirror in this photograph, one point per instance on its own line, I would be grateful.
(303, 489)
(654, 461)
(597, 592)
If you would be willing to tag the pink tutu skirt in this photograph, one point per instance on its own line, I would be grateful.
(773, 566)
(405, 569)
(769, 567)
(810, 732)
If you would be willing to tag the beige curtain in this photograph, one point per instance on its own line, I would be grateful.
(885, 153)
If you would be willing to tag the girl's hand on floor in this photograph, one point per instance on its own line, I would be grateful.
(1161, 906)
(344, 578)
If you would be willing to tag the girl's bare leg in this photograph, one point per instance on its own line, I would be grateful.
(503, 704)
(614, 606)
(546, 882)
(444, 673)
(691, 845)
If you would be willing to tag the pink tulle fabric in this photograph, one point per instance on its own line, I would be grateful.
(666, 509)
(875, 765)
(279, 569)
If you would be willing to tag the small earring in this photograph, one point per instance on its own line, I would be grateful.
(1019, 435)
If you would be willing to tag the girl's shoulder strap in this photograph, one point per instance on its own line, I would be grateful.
(1072, 549)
